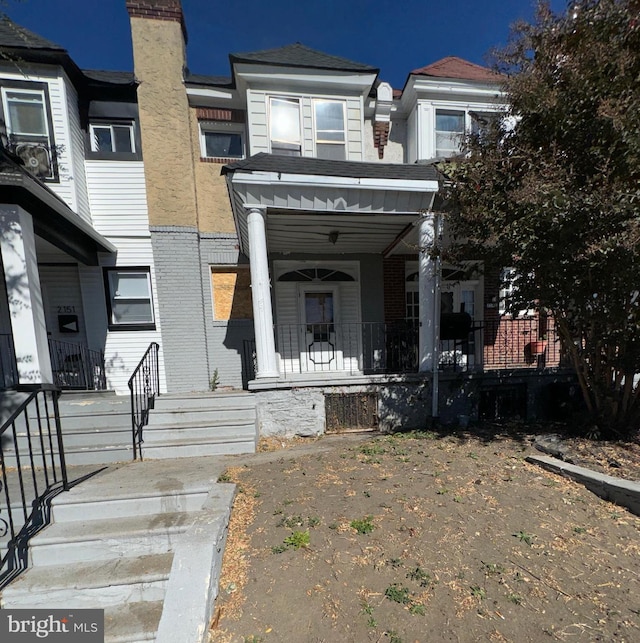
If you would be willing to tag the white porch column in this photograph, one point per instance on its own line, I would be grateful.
(28, 326)
(429, 295)
(261, 293)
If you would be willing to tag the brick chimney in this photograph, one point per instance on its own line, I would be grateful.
(159, 35)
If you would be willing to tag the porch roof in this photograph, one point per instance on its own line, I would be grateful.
(320, 206)
(320, 167)
(53, 220)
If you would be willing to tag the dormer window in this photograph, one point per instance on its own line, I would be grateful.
(284, 126)
(114, 137)
(330, 130)
(450, 129)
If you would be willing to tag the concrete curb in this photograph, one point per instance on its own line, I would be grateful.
(193, 583)
(623, 492)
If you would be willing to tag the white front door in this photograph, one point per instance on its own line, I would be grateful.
(320, 329)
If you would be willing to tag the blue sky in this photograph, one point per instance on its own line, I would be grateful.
(394, 35)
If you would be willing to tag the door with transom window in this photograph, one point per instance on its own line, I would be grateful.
(320, 329)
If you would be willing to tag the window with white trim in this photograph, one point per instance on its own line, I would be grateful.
(27, 121)
(113, 137)
(452, 125)
(330, 129)
(129, 298)
(450, 128)
(221, 140)
(508, 289)
(284, 126)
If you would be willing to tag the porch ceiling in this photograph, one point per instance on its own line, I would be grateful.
(312, 232)
(371, 206)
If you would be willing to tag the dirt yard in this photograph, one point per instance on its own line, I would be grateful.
(423, 537)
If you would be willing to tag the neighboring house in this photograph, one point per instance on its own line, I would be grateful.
(277, 236)
(76, 249)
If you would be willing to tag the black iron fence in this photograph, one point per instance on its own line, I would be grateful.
(33, 471)
(144, 385)
(8, 366)
(75, 366)
(392, 348)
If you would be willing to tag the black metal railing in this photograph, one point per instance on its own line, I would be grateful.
(33, 471)
(529, 342)
(75, 366)
(8, 364)
(144, 385)
(392, 348)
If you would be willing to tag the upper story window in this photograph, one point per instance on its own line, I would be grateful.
(221, 140)
(453, 125)
(284, 126)
(450, 129)
(28, 126)
(330, 129)
(113, 137)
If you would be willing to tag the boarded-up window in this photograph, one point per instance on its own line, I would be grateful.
(231, 293)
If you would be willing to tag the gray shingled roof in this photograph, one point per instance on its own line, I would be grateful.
(114, 77)
(297, 55)
(354, 169)
(213, 81)
(17, 37)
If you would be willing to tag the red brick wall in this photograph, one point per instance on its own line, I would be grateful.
(394, 298)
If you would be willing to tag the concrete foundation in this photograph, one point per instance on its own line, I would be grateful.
(405, 403)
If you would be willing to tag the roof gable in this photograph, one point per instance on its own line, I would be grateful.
(457, 68)
(298, 55)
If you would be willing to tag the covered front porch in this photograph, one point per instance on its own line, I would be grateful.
(347, 281)
(317, 234)
(42, 242)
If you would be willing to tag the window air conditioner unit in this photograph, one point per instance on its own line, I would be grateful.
(36, 159)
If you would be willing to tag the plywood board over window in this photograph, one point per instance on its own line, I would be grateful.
(231, 293)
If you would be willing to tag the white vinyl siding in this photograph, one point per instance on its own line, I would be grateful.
(258, 125)
(65, 187)
(118, 198)
(117, 195)
(62, 296)
(76, 138)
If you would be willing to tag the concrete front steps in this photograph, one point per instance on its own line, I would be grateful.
(97, 427)
(196, 424)
(143, 541)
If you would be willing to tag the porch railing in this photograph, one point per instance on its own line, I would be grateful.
(392, 348)
(75, 366)
(8, 365)
(144, 386)
(33, 471)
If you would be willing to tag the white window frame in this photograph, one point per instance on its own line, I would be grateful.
(112, 297)
(217, 127)
(468, 109)
(46, 138)
(449, 111)
(110, 125)
(291, 144)
(506, 292)
(316, 131)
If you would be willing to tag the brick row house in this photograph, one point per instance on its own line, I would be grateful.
(270, 230)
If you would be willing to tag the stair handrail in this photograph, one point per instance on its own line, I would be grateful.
(144, 385)
(46, 471)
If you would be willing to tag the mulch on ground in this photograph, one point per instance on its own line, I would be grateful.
(426, 537)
